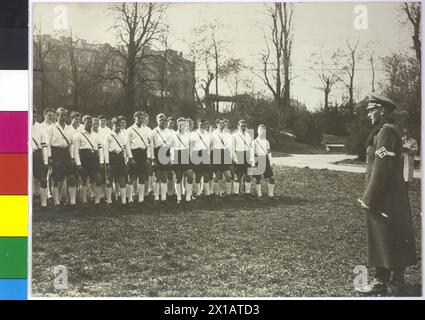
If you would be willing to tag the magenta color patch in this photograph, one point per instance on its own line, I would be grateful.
(13, 132)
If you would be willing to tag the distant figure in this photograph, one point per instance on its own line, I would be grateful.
(410, 149)
(391, 243)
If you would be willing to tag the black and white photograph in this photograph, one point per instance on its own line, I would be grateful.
(219, 149)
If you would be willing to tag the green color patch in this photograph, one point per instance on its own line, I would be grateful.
(13, 257)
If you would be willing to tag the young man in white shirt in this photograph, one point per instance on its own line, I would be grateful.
(104, 130)
(115, 161)
(149, 187)
(39, 160)
(89, 158)
(59, 139)
(242, 157)
(171, 127)
(161, 143)
(221, 158)
(262, 162)
(200, 156)
(139, 154)
(180, 158)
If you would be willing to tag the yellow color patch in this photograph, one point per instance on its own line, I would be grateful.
(13, 216)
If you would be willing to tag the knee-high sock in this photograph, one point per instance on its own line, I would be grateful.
(97, 194)
(178, 188)
(72, 195)
(228, 188)
(156, 190)
(163, 191)
(236, 187)
(43, 197)
(129, 189)
(170, 187)
(189, 192)
(35, 187)
(258, 188)
(55, 193)
(84, 194)
(108, 195)
(271, 189)
(247, 187)
(123, 192)
(116, 189)
(216, 188)
(149, 186)
(198, 189)
(184, 185)
(207, 188)
(141, 192)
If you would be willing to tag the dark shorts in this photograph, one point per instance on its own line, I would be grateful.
(117, 164)
(61, 163)
(221, 160)
(140, 167)
(201, 162)
(264, 167)
(181, 161)
(166, 163)
(39, 170)
(243, 164)
(89, 162)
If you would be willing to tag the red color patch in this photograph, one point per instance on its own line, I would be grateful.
(13, 174)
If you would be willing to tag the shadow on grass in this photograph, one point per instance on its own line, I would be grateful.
(65, 215)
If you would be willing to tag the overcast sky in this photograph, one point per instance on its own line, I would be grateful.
(315, 24)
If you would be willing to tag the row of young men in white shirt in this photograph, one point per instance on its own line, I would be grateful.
(124, 157)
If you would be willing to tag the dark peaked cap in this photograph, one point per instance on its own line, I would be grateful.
(377, 100)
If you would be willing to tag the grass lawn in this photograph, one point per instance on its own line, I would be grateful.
(306, 243)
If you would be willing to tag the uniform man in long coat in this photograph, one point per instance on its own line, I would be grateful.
(391, 245)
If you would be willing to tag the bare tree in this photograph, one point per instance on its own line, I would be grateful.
(137, 26)
(328, 73)
(370, 53)
(87, 64)
(209, 51)
(275, 65)
(350, 70)
(413, 12)
(42, 49)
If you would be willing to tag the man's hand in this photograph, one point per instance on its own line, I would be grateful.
(148, 162)
(80, 167)
(153, 163)
(108, 167)
(50, 161)
(131, 162)
(73, 162)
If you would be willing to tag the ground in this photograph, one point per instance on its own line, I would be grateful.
(306, 243)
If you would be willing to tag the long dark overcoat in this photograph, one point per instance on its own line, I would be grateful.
(389, 225)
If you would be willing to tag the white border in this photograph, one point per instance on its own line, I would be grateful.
(30, 66)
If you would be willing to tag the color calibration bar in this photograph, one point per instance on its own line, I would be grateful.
(14, 108)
